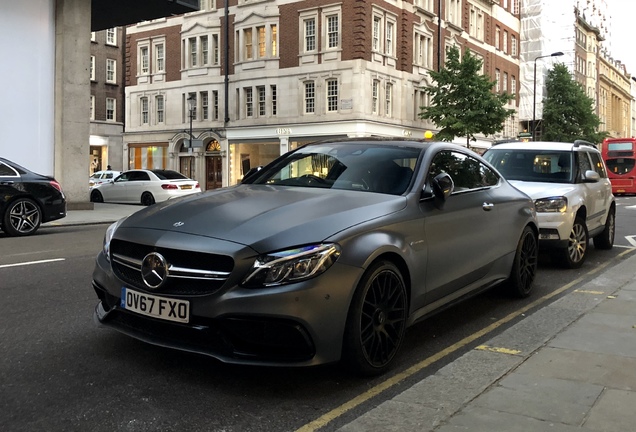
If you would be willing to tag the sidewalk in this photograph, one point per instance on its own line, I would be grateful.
(570, 366)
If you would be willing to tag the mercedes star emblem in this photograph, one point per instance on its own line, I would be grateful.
(154, 270)
(178, 224)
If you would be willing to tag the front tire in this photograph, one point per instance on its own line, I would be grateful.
(376, 323)
(22, 218)
(605, 240)
(524, 267)
(574, 255)
(96, 196)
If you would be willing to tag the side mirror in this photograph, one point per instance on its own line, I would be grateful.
(442, 186)
(591, 177)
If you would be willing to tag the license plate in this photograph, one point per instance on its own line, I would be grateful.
(155, 306)
(186, 187)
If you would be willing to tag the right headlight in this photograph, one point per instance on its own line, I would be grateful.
(551, 205)
(110, 232)
(291, 265)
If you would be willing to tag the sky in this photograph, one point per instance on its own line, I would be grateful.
(623, 13)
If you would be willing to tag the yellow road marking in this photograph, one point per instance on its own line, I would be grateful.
(330, 416)
(497, 350)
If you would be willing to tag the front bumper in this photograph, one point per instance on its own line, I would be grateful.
(293, 325)
(555, 229)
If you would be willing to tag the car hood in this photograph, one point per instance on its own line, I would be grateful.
(537, 190)
(266, 217)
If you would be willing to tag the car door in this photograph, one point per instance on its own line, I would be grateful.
(602, 189)
(137, 184)
(462, 235)
(9, 178)
(593, 191)
(116, 191)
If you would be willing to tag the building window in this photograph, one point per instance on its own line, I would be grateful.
(274, 105)
(333, 32)
(310, 34)
(424, 50)
(513, 85)
(249, 102)
(247, 41)
(375, 89)
(332, 95)
(274, 33)
(215, 106)
(111, 36)
(310, 97)
(476, 28)
(160, 61)
(261, 100)
(453, 12)
(205, 47)
(505, 82)
(505, 41)
(192, 44)
(145, 60)
(215, 50)
(497, 38)
(191, 113)
(159, 103)
(497, 80)
(92, 68)
(111, 66)
(93, 37)
(388, 48)
(388, 100)
(377, 27)
(205, 112)
(262, 42)
(144, 110)
(92, 112)
(110, 109)
(513, 45)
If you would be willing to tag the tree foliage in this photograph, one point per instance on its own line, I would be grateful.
(568, 113)
(462, 102)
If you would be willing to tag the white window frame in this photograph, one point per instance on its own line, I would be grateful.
(215, 49)
(332, 93)
(274, 99)
(248, 43)
(92, 107)
(111, 106)
(204, 43)
(377, 31)
(249, 102)
(160, 57)
(388, 99)
(505, 41)
(192, 52)
(92, 71)
(513, 85)
(389, 41)
(262, 100)
(261, 41)
(309, 97)
(111, 71)
(144, 60)
(273, 31)
(111, 36)
(375, 90)
(454, 12)
(513, 46)
(423, 46)
(144, 107)
(310, 42)
(332, 33)
(160, 109)
(205, 105)
(215, 105)
(497, 80)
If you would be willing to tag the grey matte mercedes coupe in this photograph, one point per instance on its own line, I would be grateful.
(326, 254)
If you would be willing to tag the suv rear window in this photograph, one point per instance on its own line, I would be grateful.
(533, 165)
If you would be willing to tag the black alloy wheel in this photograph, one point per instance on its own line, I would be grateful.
(96, 196)
(147, 199)
(376, 322)
(22, 218)
(524, 267)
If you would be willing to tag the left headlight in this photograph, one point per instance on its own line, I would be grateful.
(551, 205)
(110, 232)
(292, 265)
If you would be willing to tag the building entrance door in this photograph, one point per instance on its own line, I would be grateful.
(214, 172)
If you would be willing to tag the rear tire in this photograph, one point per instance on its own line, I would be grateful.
(147, 199)
(22, 218)
(605, 240)
(524, 267)
(573, 256)
(376, 322)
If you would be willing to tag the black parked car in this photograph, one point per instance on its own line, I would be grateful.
(27, 199)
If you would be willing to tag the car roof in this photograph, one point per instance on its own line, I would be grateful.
(543, 145)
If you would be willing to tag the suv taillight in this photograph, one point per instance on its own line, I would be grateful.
(169, 186)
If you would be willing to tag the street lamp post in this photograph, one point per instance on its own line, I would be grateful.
(192, 100)
(534, 92)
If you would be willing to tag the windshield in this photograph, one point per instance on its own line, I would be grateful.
(362, 167)
(532, 165)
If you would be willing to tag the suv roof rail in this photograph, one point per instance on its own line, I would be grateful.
(580, 142)
(504, 141)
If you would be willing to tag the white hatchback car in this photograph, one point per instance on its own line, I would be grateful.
(101, 177)
(144, 187)
(571, 191)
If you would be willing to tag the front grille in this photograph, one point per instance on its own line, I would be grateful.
(190, 273)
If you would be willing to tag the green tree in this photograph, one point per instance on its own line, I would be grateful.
(568, 113)
(462, 101)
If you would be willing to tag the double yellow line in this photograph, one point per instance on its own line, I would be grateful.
(376, 390)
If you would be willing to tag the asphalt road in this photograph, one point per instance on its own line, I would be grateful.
(59, 372)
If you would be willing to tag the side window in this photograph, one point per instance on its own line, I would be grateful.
(599, 167)
(584, 163)
(139, 176)
(6, 170)
(466, 171)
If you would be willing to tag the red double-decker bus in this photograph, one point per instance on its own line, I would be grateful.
(619, 155)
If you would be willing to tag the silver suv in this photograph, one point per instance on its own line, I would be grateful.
(571, 192)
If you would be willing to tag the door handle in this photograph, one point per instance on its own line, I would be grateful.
(487, 206)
